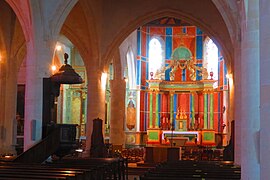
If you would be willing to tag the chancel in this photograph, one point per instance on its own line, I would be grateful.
(181, 82)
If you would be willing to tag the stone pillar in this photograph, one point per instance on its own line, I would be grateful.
(10, 124)
(8, 96)
(96, 102)
(118, 90)
(250, 93)
(235, 97)
(37, 67)
(264, 88)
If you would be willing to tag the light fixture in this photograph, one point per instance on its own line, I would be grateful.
(53, 68)
(66, 74)
(103, 79)
(58, 47)
(126, 79)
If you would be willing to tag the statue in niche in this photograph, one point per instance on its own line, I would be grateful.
(131, 115)
(165, 124)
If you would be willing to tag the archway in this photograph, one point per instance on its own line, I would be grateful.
(178, 51)
(13, 51)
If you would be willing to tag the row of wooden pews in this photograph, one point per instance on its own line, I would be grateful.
(71, 169)
(188, 170)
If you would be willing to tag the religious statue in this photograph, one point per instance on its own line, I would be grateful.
(165, 124)
(189, 65)
(181, 114)
(160, 73)
(131, 115)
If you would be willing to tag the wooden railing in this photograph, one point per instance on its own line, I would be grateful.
(42, 150)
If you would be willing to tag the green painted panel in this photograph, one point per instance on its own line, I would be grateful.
(153, 135)
(205, 125)
(151, 110)
(208, 136)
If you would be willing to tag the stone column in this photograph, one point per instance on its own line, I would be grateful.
(250, 93)
(264, 88)
(96, 102)
(118, 90)
(10, 96)
(37, 67)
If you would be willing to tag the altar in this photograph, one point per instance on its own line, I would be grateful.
(184, 116)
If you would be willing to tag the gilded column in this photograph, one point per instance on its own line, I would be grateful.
(205, 113)
(151, 110)
(157, 105)
(192, 110)
(211, 118)
(171, 107)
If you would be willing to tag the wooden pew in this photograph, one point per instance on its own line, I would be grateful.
(193, 170)
(73, 169)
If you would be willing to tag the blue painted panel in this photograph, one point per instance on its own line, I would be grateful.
(143, 58)
(167, 74)
(184, 29)
(138, 42)
(147, 41)
(197, 72)
(199, 47)
(168, 31)
(198, 31)
(144, 87)
(184, 75)
(138, 78)
(168, 44)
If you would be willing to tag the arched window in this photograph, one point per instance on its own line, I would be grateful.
(131, 69)
(211, 59)
(156, 55)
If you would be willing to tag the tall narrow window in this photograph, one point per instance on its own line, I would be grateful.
(155, 55)
(211, 59)
(131, 69)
